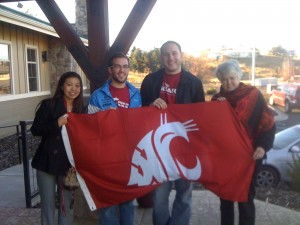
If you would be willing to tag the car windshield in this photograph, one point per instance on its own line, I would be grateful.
(286, 137)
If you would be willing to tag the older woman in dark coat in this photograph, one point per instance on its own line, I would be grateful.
(251, 109)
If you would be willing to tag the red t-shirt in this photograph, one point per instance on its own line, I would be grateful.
(120, 95)
(169, 87)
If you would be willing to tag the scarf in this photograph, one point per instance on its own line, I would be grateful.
(251, 109)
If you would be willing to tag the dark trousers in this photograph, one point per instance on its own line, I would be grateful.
(246, 209)
(246, 212)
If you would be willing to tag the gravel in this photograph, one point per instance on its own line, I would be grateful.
(282, 196)
(9, 150)
(9, 155)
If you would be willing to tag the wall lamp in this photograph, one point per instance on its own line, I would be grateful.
(45, 56)
(20, 5)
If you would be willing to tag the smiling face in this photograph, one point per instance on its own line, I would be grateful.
(71, 88)
(119, 72)
(230, 81)
(171, 58)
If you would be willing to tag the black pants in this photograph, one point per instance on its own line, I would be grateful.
(246, 212)
(246, 209)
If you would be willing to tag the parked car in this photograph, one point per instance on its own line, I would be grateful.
(286, 95)
(279, 158)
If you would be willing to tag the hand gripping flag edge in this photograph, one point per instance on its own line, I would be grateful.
(82, 183)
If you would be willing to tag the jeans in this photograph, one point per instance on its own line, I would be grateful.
(47, 189)
(122, 214)
(181, 210)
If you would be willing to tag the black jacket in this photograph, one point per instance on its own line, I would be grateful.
(50, 156)
(190, 88)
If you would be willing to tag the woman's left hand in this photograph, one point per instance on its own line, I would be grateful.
(258, 153)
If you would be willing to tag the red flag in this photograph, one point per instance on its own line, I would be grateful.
(125, 153)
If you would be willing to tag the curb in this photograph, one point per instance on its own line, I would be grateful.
(278, 114)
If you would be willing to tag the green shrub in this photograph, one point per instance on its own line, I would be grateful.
(294, 173)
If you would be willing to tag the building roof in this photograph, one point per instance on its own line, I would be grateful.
(27, 21)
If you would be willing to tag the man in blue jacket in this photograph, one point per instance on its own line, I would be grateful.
(116, 92)
(171, 85)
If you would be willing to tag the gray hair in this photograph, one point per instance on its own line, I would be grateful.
(230, 66)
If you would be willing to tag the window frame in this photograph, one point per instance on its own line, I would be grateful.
(37, 63)
(12, 89)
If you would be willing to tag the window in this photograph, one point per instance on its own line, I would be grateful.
(5, 69)
(279, 88)
(32, 69)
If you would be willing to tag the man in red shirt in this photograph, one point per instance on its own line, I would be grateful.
(171, 85)
(117, 92)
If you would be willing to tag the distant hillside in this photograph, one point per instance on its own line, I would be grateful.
(265, 66)
(271, 62)
(272, 66)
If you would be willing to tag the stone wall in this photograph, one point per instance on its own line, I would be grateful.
(59, 58)
(81, 18)
(60, 61)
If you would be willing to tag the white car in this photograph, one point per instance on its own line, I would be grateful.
(279, 158)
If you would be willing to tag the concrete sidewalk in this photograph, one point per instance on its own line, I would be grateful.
(205, 207)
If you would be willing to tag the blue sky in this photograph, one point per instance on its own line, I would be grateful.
(203, 24)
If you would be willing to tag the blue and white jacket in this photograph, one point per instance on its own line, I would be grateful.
(102, 99)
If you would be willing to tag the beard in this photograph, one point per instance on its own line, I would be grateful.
(119, 80)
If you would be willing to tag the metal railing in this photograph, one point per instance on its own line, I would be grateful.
(23, 136)
(31, 189)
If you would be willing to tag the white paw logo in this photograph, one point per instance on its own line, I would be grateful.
(152, 161)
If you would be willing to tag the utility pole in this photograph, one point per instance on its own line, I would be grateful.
(253, 66)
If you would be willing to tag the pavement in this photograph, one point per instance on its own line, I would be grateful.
(205, 208)
(278, 114)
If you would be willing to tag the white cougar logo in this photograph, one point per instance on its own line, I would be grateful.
(152, 161)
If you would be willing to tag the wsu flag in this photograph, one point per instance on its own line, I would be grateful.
(122, 154)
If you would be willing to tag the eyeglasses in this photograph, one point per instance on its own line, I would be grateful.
(117, 66)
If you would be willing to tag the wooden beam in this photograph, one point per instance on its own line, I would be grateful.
(132, 26)
(93, 61)
(98, 36)
(3, 1)
(98, 30)
(68, 36)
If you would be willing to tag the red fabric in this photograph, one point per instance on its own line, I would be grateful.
(120, 95)
(169, 87)
(106, 146)
(248, 103)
